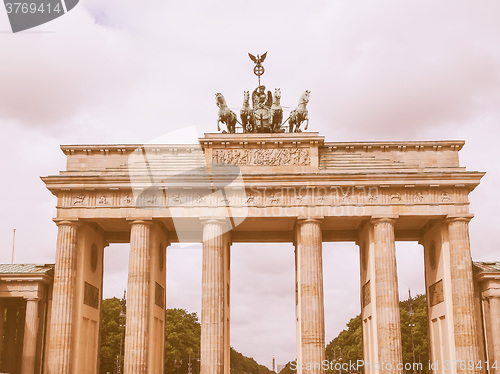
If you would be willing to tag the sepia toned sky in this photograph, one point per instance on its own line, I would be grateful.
(127, 72)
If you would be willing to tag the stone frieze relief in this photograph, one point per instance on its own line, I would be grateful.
(262, 157)
(285, 196)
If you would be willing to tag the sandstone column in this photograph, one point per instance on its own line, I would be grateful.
(311, 312)
(30, 337)
(495, 331)
(136, 327)
(212, 303)
(387, 296)
(462, 290)
(63, 299)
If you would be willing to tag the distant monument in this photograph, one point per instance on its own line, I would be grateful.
(266, 113)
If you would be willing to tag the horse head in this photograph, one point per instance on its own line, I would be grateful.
(277, 95)
(246, 97)
(219, 100)
(304, 99)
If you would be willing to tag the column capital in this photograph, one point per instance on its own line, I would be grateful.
(491, 293)
(67, 222)
(140, 221)
(302, 220)
(458, 217)
(388, 219)
(224, 221)
(32, 299)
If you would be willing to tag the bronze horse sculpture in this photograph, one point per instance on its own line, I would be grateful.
(226, 115)
(246, 114)
(276, 111)
(300, 114)
(265, 115)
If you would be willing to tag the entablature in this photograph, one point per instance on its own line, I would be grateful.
(262, 176)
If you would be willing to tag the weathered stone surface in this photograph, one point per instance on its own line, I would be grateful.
(63, 307)
(464, 316)
(387, 296)
(136, 331)
(30, 337)
(213, 318)
(310, 306)
(494, 325)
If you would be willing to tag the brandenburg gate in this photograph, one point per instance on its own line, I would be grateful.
(263, 185)
(256, 187)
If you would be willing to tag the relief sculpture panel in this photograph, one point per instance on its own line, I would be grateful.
(262, 157)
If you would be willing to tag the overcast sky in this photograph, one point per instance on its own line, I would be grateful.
(120, 71)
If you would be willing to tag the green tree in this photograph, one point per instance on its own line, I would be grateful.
(244, 365)
(287, 369)
(182, 340)
(111, 333)
(349, 343)
(420, 338)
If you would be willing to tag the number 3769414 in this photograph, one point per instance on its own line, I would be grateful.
(33, 8)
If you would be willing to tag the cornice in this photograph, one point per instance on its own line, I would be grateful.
(469, 179)
(403, 145)
(211, 139)
(89, 149)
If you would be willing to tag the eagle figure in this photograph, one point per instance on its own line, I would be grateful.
(259, 59)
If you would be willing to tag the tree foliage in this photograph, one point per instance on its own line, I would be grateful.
(287, 369)
(182, 343)
(244, 365)
(420, 336)
(349, 343)
(111, 333)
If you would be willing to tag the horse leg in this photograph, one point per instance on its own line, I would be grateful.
(218, 126)
(233, 123)
(248, 125)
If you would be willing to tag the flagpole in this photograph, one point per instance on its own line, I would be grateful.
(13, 245)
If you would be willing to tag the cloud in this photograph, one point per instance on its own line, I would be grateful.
(48, 78)
(400, 69)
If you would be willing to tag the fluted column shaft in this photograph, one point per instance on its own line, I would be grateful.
(136, 327)
(30, 337)
(387, 296)
(63, 300)
(310, 293)
(212, 303)
(462, 290)
(495, 330)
